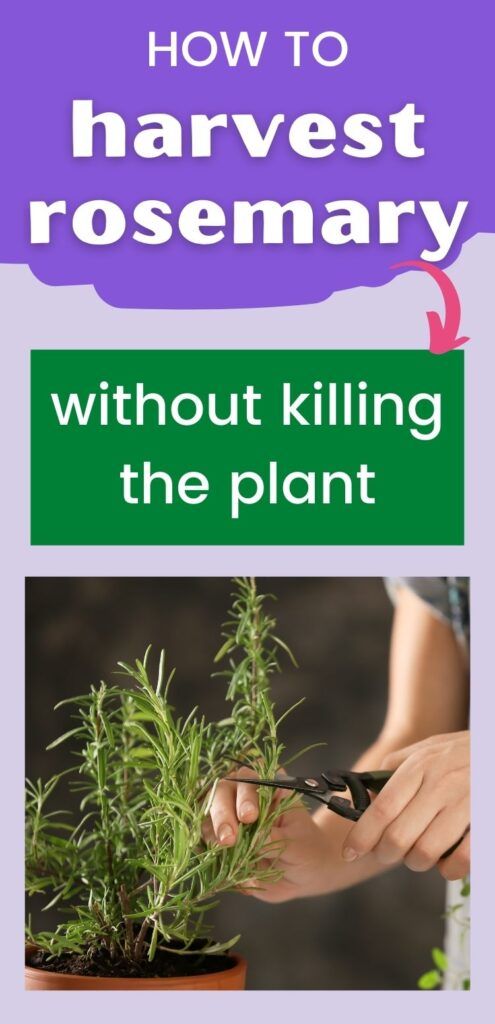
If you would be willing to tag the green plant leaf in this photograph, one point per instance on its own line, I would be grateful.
(429, 980)
(439, 959)
(225, 648)
(222, 947)
(65, 736)
(305, 750)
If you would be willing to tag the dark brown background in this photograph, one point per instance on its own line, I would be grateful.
(377, 936)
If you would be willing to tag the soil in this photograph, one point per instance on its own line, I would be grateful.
(99, 965)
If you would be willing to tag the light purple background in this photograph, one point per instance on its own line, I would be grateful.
(37, 316)
(428, 53)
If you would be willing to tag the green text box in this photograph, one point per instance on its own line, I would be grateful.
(77, 495)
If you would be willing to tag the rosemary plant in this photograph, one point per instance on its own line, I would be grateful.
(133, 874)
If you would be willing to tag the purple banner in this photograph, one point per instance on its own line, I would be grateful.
(391, 123)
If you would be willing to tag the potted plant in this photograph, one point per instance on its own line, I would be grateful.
(133, 876)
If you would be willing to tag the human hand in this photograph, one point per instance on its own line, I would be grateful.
(422, 811)
(297, 846)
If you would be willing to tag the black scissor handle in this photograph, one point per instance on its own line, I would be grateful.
(375, 781)
(358, 784)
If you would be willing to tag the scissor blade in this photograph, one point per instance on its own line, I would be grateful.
(282, 783)
(294, 784)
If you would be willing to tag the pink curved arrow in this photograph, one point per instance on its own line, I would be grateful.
(443, 336)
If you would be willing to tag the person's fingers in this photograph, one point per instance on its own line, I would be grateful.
(238, 801)
(446, 829)
(394, 759)
(459, 863)
(223, 813)
(402, 834)
(386, 807)
(207, 830)
(247, 796)
(247, 803)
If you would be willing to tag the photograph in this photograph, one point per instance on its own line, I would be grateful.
(249, 783)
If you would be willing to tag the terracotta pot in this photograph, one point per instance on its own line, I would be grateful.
(50, 981)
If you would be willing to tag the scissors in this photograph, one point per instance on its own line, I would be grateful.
(359, 785)
(329, 782)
